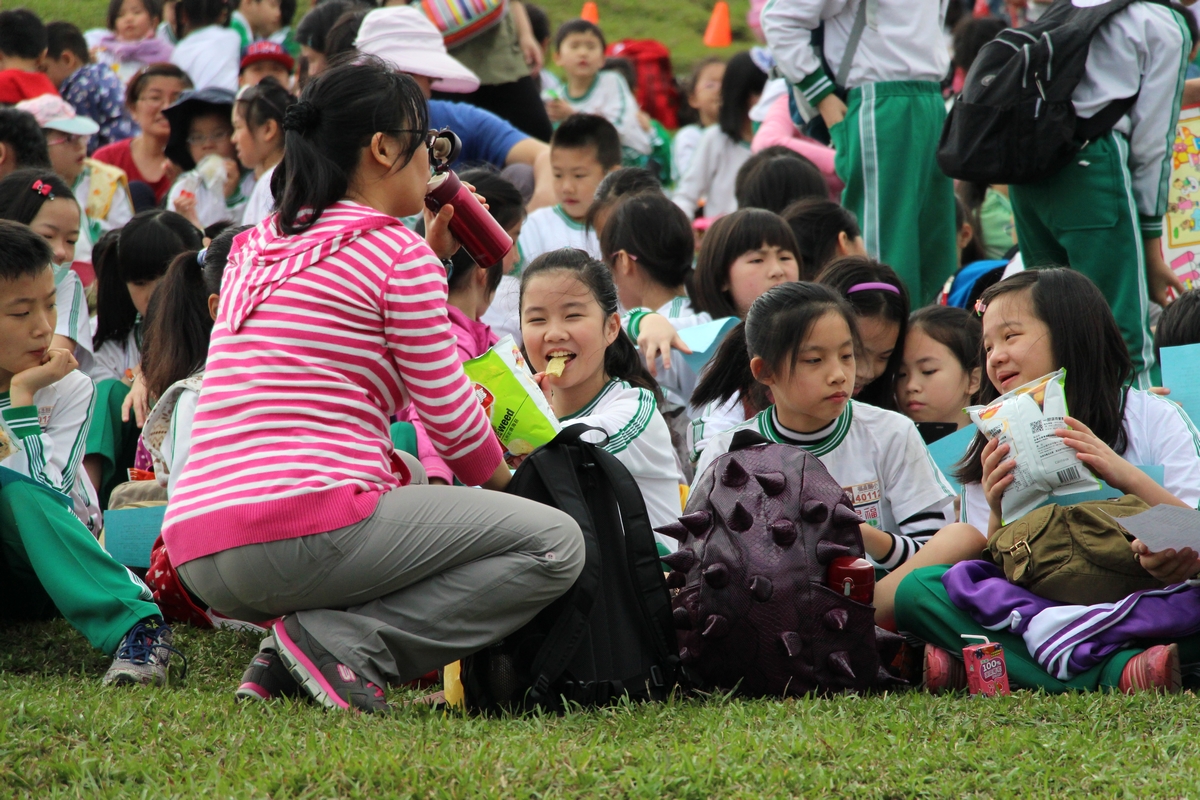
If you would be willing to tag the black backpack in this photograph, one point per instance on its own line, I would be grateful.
(754, 611)
(611, 634)
(1014, 121)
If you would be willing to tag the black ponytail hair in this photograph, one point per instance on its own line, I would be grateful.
(617, 184)
(263, 102)
(776, 177)
(846, 273)
(178, 325)
(20, 202)
(339, 112)
(816, 223)
(656, 233)
(622, 359)
(730, 237)
(1179, 323)
(743, 80)
(774, 330)
(957, 329)
(142, 252)
(1084, 340)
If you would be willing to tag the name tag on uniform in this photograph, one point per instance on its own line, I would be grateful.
(866, 497)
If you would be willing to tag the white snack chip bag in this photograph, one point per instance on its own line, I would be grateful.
(518, 410)
(1025, 419)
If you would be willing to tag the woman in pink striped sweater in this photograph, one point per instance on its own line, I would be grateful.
(332, 318)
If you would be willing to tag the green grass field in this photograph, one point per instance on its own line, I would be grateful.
(678, 23)
(62, 735)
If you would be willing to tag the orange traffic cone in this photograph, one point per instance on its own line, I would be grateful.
(590, 12)
(718, 32)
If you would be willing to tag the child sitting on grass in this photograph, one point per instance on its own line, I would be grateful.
(40, 199)
(265, 20)
(470, 292)
(129, 44)
(22, 48)
(940, 371)
(569, 309)
(584, 149)
(51, 563)
(176, 345)
(214, 188)
(258, 141)
(1034, 323)
(92, 89)
(208, 51)
(702, 92)
(590, 89)
(129, 270)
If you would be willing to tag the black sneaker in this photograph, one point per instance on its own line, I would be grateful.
(144, 656)
(320, 675)
(266, 678)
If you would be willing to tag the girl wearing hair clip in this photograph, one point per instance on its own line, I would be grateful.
(42, 200)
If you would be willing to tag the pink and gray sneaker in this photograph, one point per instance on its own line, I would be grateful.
(320, 675)
(266, 678)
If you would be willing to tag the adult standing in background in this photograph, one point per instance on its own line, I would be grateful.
(506, 57)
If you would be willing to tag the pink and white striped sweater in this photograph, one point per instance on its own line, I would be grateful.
(319, 339)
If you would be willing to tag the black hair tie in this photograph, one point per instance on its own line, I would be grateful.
(301, 117)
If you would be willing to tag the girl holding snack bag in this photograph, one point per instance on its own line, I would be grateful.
(592, 373)
(1036, 323)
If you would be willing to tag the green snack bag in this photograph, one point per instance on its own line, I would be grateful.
(519, 412)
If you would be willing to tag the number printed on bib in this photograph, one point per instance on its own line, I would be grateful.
(866, 498)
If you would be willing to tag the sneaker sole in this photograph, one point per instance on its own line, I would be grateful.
(251, 691)
(304, 671)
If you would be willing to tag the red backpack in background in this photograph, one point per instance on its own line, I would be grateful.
(656, 91)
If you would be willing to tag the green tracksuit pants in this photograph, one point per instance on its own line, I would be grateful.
(1085, 217)
(115, 441)
(886, 151)
(923, 609)
(50, 562)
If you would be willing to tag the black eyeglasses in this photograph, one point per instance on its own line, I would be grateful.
(430, 137)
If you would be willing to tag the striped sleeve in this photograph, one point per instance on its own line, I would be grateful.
(417, 331)
(903, 548)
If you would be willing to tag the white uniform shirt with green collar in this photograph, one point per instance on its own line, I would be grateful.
(51, 436)
(610, 97)
(544, 230)
(638, 436)
(1159, 433)
(73, 321)
(115, 357)
(711, 420)
(879, 459)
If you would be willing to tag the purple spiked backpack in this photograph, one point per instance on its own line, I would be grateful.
(753, 610)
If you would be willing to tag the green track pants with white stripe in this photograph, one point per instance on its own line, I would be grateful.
(51, 564)
(886, 150)
(1085, 217)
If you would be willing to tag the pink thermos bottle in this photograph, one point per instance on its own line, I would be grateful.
(476, 229)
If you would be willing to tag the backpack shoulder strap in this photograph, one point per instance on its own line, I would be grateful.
(557, 469)
(646, 571)
(856, 32)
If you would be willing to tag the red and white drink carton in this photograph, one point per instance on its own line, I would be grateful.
(987, 673)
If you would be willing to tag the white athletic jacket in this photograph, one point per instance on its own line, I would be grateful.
(902, 41)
